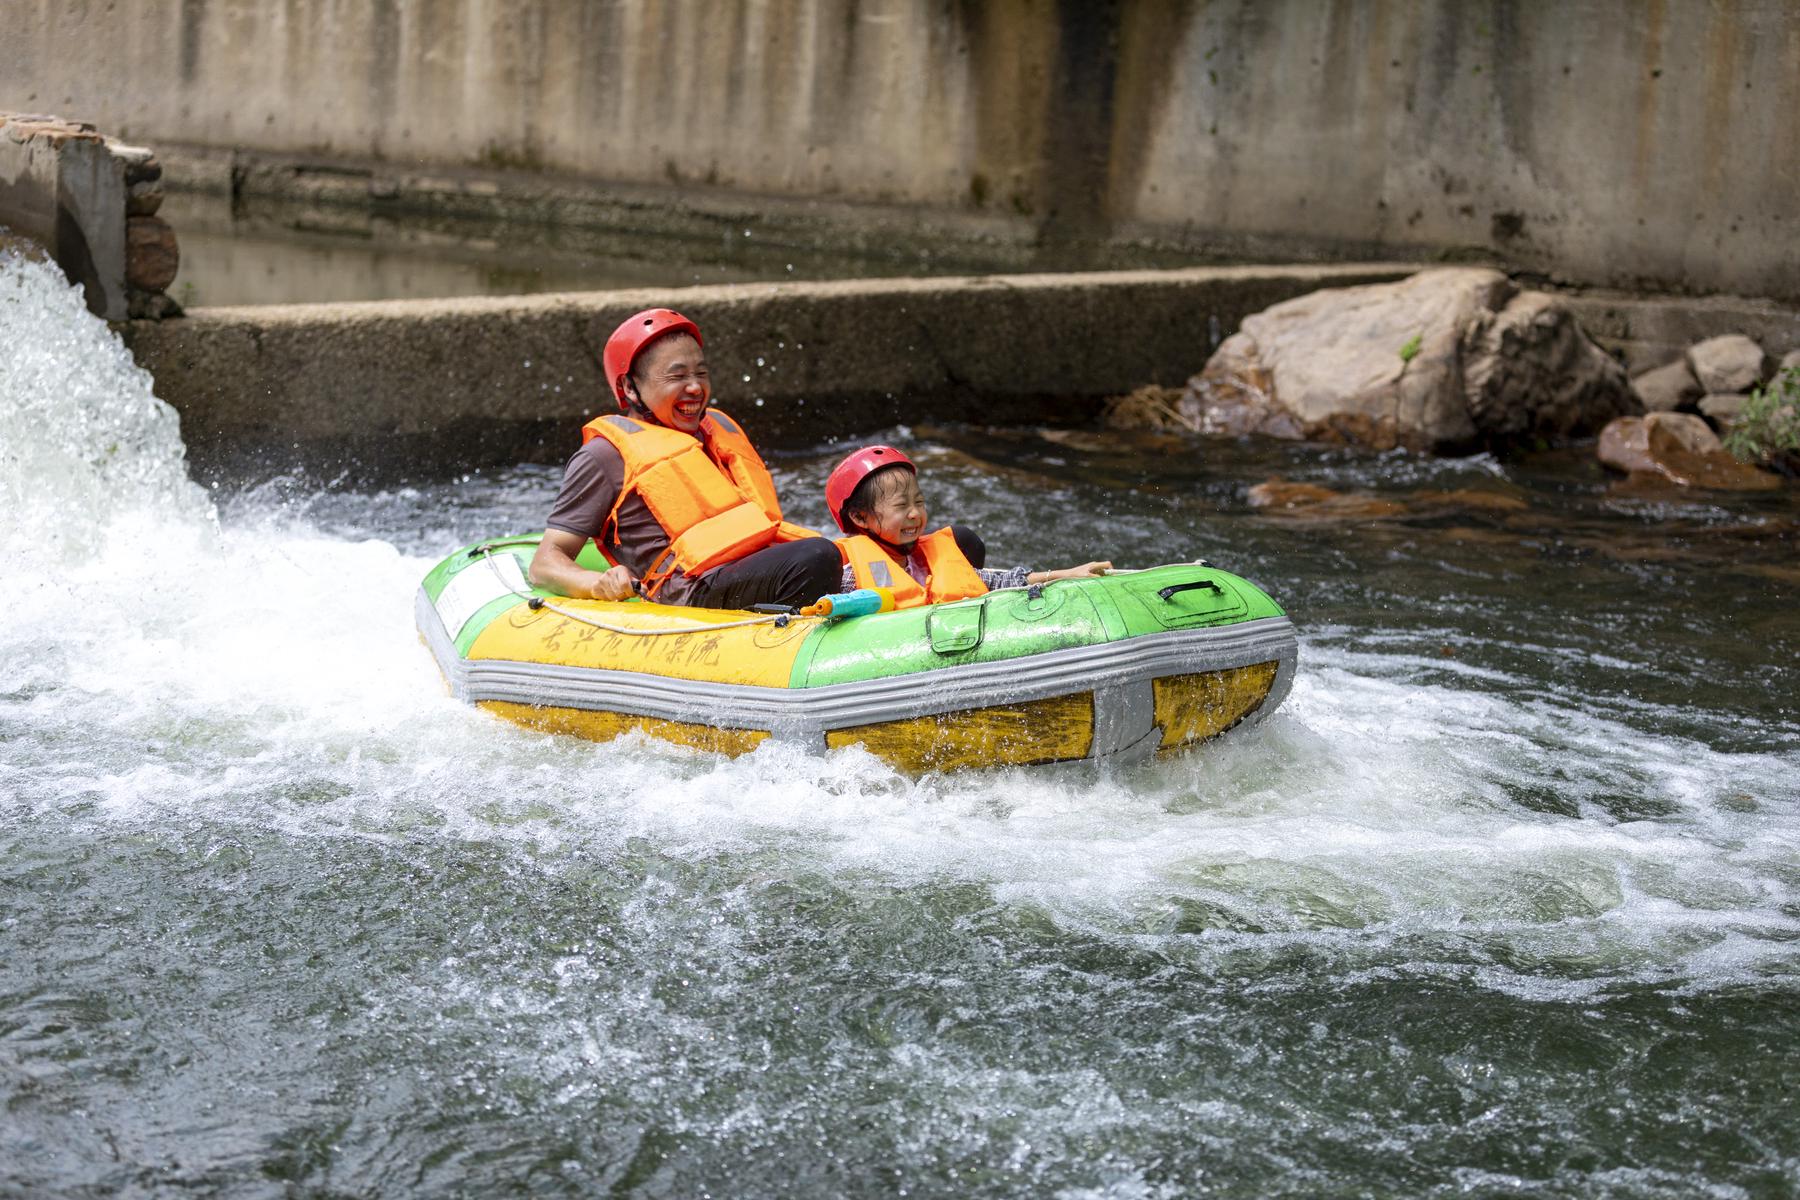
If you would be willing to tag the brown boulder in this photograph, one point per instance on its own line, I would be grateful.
(1307, 499)
(1443, 360)
(1680, 448)
(151, 255)
(1311, 500)
(1468, 498)
(1279, 493)
(143, 199)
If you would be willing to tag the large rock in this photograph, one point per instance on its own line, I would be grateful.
(1444, 360)
(1680, 448)
(1625, 443)
(1529, 371)
(1732, 363)
(1668, 388)
(151, 255)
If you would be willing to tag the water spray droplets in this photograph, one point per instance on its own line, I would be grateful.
(76, 407)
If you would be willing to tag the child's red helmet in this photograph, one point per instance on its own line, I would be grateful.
(853, 470)
(629, 339)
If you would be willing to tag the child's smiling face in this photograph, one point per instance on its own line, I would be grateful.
(899, 514)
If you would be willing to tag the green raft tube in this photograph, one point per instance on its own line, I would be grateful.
(1115, 669)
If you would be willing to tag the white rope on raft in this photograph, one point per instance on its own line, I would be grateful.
(538, 602)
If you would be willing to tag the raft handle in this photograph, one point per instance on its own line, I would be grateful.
(1168, 593)
(487, 548)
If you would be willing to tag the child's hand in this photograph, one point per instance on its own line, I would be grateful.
(1084, 571)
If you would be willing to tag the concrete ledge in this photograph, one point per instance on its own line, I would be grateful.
(1651, 331)
(492, 380)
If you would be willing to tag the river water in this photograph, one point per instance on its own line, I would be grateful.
(1505, 900)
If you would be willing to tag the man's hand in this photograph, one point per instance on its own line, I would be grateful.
(554, 569)
(615, 584)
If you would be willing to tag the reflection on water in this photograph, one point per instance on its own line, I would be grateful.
(276, 252)
(1502, 901)
(287, 254)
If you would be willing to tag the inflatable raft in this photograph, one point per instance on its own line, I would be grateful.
(1117, 668)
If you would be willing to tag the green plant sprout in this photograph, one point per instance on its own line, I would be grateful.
(1769, 424)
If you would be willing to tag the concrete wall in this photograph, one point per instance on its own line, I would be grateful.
(1605, 141)
(1614, 141)
(371, 387)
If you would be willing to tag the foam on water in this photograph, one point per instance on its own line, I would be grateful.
(266, 672)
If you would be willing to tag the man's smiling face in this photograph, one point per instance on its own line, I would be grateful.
(673, 383)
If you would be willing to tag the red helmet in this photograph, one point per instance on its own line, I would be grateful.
(629, 339)
(853, 470)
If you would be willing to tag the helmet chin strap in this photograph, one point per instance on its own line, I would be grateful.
(632, 401)
(635, 404)
(893, 548)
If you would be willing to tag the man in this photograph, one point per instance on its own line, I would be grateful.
(673, 493)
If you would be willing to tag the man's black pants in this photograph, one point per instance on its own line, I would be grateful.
(791, 573)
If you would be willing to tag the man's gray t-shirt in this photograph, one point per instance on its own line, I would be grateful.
(590, 488)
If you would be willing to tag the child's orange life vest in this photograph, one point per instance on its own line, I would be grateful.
(712, 494)
(949, 575)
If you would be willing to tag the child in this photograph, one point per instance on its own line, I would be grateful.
(874, 497)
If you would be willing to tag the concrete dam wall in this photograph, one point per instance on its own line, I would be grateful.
(490, 380)
(1624, 142)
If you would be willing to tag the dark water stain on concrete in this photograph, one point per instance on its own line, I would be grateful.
(1012, 57)
(1439, 66)
(1102, 75)
(1079, 132)
(1517, 93)
(384, 38)
(1721, 84)
(1649, 89)
(781, 29)
(600, 36)
(838, 73)
(193, 18)
(1151, 39)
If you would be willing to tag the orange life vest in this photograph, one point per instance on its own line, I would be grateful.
(949, 576)
(711, 494)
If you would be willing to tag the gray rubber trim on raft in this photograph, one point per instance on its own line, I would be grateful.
(1109, 669)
